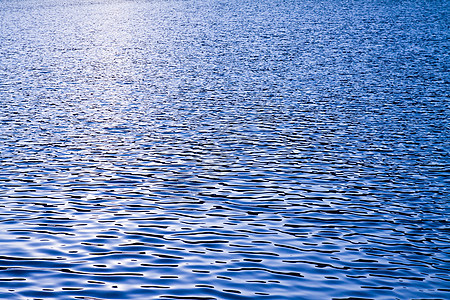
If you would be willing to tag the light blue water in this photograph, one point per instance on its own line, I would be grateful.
(224, 149)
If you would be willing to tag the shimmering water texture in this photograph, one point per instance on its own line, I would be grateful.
(238, 149)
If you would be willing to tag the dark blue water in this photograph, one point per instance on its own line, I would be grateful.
(266, 149)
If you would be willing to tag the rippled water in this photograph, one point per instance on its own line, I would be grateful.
(238, 149)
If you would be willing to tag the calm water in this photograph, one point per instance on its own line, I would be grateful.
(266, 149)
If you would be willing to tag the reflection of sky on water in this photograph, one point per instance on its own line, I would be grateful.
(230, 150)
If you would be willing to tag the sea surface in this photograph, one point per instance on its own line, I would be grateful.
(212, 149)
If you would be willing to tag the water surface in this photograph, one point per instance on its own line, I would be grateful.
(234, 149)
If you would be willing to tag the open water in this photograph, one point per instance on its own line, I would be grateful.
(212, 149)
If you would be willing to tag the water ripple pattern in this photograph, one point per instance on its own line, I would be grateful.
(187, 149)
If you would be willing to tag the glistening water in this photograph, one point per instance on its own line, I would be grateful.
(212, 149)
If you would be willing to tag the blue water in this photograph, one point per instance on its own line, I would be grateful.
(267, 149)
